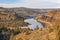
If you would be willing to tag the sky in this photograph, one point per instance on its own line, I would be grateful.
(30, 3)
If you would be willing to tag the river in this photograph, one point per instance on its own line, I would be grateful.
(33, 23)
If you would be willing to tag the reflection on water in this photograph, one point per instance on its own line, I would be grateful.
(33, 23)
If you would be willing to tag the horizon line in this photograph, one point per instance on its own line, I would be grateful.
(34, 8)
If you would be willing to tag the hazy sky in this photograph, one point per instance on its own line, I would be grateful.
(30, 3)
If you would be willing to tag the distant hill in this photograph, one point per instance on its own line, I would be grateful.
(28, 12)
(22, 11)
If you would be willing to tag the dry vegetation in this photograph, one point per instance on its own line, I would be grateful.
(48, 32)
(10, 22)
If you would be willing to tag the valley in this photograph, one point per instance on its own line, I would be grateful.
(29, 24)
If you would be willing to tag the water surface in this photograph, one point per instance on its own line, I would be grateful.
(33, 23)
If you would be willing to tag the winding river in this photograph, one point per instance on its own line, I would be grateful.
(33, 23)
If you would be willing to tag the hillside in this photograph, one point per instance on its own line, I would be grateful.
(10, 23)
(50, 18)
(48, 32)
(10, 18)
